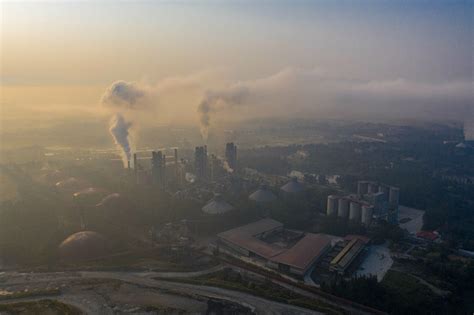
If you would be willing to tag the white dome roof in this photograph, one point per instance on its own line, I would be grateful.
(217, 206)
(82, 246)
(111, 199)
(262, 195)
(293, 186)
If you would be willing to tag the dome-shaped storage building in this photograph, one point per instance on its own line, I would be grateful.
(70, 184)
(262, 195)
(111, 200)
(82, 246)
(293, 186)
(217, 206)
(89, 196)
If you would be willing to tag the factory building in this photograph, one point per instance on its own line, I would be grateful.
(201, 163)
(352, 247)
(267, 241)
(158, 169)
(231, 155)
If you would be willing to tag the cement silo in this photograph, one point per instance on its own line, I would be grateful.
(373, 188)
(394, 197)
(332, 205)
(362, 187)
(385, 190)
(354, 212)
(367, 212)
(343, 208)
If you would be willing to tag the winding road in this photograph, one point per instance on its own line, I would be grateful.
(94, 304)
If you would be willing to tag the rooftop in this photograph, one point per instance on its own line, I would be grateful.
(245, 237)
(305, 252)
(300, 255)
(293, 186)
(217, 206)
(262, 195)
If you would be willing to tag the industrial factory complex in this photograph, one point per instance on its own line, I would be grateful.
(215, 183)
(268, 243)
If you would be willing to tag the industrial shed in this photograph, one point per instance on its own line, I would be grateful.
(284, 250)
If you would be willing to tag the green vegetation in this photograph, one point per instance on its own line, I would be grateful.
(229, 279)
(398, 293)
(50, 307)
(413, 158)
(161, 259)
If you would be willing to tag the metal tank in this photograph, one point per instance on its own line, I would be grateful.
(385, 190)
(343, 208)
(362, 187)
(373, 188)
(394, 197)
(332, 205)
(367, 212)
(354, 212)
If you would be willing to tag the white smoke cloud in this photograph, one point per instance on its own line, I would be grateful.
(122, 95)
(295, 92)
(291, 92)
(123, 98)
(119, 129)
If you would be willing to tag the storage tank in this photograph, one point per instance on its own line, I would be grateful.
(362, 187)
(373, 188)
(394, 197)
(343, 208)
(385, 190)
(354, 212)
(367, 212)
(332, 205)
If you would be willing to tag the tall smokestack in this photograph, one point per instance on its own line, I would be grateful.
(176, 164)
(135, 167)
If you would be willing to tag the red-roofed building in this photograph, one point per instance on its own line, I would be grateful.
(284, 250)
(428, 235)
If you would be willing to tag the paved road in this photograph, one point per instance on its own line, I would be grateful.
(96, 304)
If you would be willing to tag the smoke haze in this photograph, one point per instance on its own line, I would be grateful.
(364, 60)
(119, 129)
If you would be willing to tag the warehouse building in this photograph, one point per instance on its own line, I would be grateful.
(353, 246)
(285, 250)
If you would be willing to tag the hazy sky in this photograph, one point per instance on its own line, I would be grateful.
(58, 57)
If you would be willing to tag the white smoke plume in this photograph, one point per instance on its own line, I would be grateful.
(289, 93)
(213, 99)
(295, 92)
(119, 129)
(122, 95)
(122, 98)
